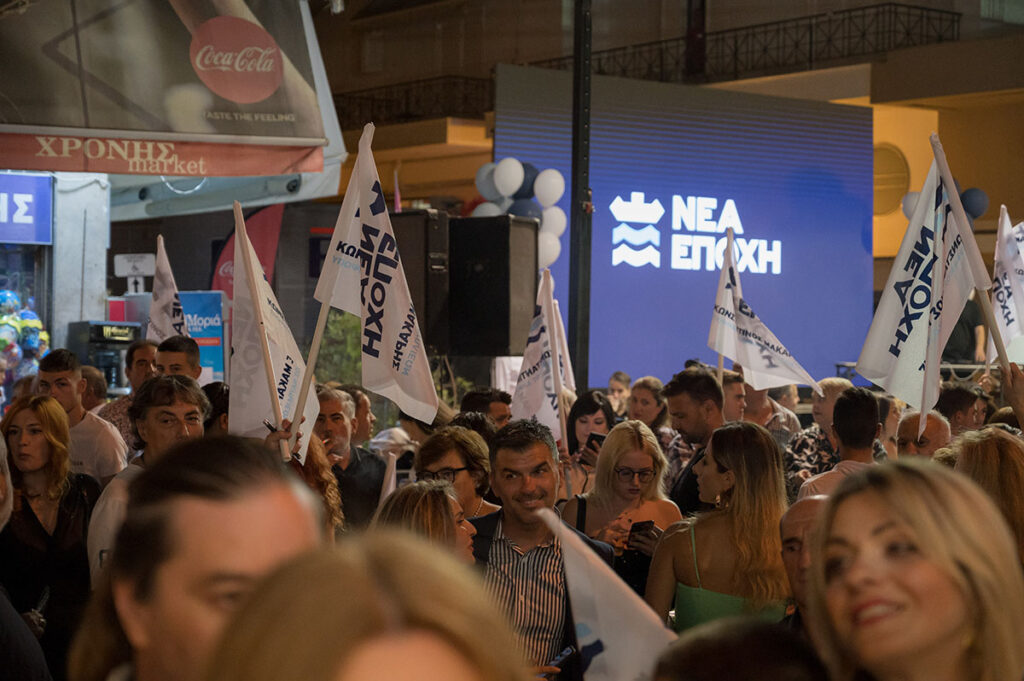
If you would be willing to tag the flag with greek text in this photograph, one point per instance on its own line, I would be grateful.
(739, 334)
(620, 637)
(166, 318)
(932, 277)
(1008, 281)
(249, 401)
(568, 377)
(363, 274)
(536, 395)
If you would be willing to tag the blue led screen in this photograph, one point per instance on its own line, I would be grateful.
(671, 167)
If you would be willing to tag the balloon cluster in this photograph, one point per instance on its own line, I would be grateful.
(23, 340)
(974, 200)
(520, 189)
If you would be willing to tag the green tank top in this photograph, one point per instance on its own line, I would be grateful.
(697, 605)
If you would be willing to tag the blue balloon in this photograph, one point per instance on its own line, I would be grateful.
(525, 190)
(526, 208)
(975, 202)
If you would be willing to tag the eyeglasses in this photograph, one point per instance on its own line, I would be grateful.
(447, 474)
(627, 474)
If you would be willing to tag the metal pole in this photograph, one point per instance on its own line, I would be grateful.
(582, 208)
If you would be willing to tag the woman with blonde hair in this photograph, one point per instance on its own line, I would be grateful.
(727, 561)
(430, 509)
(315, 471)
(44, 565)
(994, 459)
(914, 575)
(381, 606)
(628, 491)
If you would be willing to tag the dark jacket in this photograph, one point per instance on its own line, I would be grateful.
(485, 528)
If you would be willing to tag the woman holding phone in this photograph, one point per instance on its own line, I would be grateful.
(590, 417)
(626, 506)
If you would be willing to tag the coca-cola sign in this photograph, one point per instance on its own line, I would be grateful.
(236, 59)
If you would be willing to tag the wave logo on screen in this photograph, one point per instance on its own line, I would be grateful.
(637, 245)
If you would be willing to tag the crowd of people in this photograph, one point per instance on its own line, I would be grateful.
(139, 541)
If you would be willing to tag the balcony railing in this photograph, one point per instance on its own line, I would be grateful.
(431, 98)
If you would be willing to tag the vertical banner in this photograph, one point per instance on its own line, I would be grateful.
(536, 396)
(166, 317)
(204, 314)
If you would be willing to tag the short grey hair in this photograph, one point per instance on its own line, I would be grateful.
(348, 405)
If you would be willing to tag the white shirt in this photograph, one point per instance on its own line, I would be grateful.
(107, 517)
(97, 448)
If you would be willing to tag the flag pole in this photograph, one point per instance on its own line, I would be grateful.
(556, 355)
(721, 367)
(961, 217)
(250, 276)
(349, 206)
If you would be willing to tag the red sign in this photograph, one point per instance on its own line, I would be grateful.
(236, 59)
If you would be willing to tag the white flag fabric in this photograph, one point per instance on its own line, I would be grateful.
(619, 636)
(166, 318)
(363, 274)
(739, 334)
(930, 282)
(564, 362)
(390, 483)
(249, 401)
(536, 395)
(1008, 281)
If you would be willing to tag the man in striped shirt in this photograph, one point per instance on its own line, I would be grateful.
(524, 568)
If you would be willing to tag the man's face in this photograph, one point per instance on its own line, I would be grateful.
(525, 482)
(735, 402)
(935, 436)
(143, 366)
(690, 417)
(333, 426)
(176, 363)
(220, 550)
(822, 407)
(797, 524)
(500, 414)
(971, 418)
(364, 420)
(67, 387)
(163, 427)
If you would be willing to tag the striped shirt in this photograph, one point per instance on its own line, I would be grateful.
(531, 588)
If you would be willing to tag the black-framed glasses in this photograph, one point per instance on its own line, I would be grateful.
(446, 474)
(627, 474)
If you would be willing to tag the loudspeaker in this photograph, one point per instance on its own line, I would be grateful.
(492, 284)
(423, 243)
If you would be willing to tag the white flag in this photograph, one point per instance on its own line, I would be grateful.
(930, 282)
(166, 317)
(619, 636)
(390, 483)
(568, 378)
(1008, 281)
(536, 395)
(737, 333)
(249, 400)
(364, 265)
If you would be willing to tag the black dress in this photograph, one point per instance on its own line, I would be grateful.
(631, 565)
(33, 561)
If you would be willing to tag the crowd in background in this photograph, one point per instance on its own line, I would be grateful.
(869, 541)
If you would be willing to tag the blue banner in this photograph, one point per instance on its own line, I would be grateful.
(205, 319)
(26, 209)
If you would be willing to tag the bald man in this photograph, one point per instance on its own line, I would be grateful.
(796, 527)
(936, 434)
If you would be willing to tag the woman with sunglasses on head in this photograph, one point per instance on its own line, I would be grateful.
(458, 456)
(727, 561)
(628, 490)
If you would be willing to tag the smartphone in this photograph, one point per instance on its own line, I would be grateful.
(639, 528)
(561, 657)
(595, 440)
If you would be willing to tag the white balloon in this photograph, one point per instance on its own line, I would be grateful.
(486, 210)
(548, 187)
(553, 221)
(485, 182)
(508, 176)
(548, 248)
(909, 203)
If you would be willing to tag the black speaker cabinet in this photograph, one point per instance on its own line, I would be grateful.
(423, 243)
(493, 284)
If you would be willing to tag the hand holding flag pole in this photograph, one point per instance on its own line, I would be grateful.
(250, 275)
(973, 255)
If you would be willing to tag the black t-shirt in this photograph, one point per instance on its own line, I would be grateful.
(960, 347)
(359, 486)
(20, 655)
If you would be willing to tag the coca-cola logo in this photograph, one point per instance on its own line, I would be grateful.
(236, 59)
(227, 270)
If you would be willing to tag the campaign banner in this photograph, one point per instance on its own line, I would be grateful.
(168, 73)
(204, 314)
(1008, 281)
(536, 395)
(26, 209)
(166, 317)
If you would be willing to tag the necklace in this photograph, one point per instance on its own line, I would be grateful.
(476, 513)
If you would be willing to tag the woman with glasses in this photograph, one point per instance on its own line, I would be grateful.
(727, 561)
(458, 456)
(628, 493)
